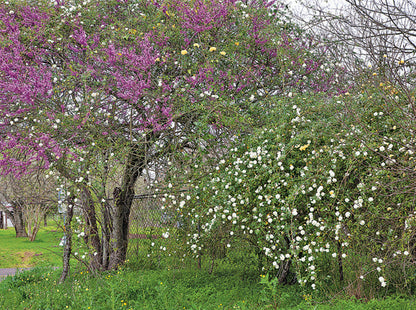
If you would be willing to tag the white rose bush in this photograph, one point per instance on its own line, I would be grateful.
(305, 193)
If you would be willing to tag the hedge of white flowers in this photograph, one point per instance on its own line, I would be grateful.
(307, 188)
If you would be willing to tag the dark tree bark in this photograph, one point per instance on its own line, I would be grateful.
(285, 266)
(92, 234)
(107, 227)
(68, 244)
(340, 264)
(16, 216)
(123, 198)
(284, 271)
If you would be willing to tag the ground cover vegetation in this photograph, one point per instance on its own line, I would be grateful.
(20, 252)
(230, 286)
(280, 164)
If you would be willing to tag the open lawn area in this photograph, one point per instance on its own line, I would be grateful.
(20, 252)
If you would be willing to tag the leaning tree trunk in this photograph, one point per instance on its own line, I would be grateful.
(106, 228)
(92, 236)
(123, 198)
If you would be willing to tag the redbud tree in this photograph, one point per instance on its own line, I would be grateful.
(89, 86)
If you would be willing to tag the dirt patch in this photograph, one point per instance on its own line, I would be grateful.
(25, 258)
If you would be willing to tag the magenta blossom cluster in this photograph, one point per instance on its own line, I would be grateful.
(92, 76)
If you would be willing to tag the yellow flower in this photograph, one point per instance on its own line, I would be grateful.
(381, 84)
(304, 147)
(223, 53)
(212, 49)
(237, 43)
(401, 61)
(184, 52)
(196, 45)
(374, 74)
(157, 59)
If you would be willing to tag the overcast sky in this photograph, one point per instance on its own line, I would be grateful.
(297, 7)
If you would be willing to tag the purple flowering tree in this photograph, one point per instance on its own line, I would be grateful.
(90, 86)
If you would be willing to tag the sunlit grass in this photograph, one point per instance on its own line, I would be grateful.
(20, 252)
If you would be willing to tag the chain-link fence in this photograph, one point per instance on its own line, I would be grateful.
(149, 221)
(147, 213)
(159, 237)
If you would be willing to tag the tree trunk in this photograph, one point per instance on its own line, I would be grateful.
(285, 266)
(35, 230)
(68, 243)
(123, 198)
(107, 225)
(284, 271)
(16, 216)
(106, 235)
(92, 234)
(340, 265)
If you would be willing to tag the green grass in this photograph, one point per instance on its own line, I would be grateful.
(189, 288)
(156, 282)
(20, 252)
(128, 289)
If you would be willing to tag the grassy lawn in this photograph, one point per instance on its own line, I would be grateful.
(141, 284)
(154, 283)
(189, 288)
(20, 252)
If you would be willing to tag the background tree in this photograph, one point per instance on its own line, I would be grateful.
(32, 196)
(377, 33)
(376, 40)
(15, 215)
